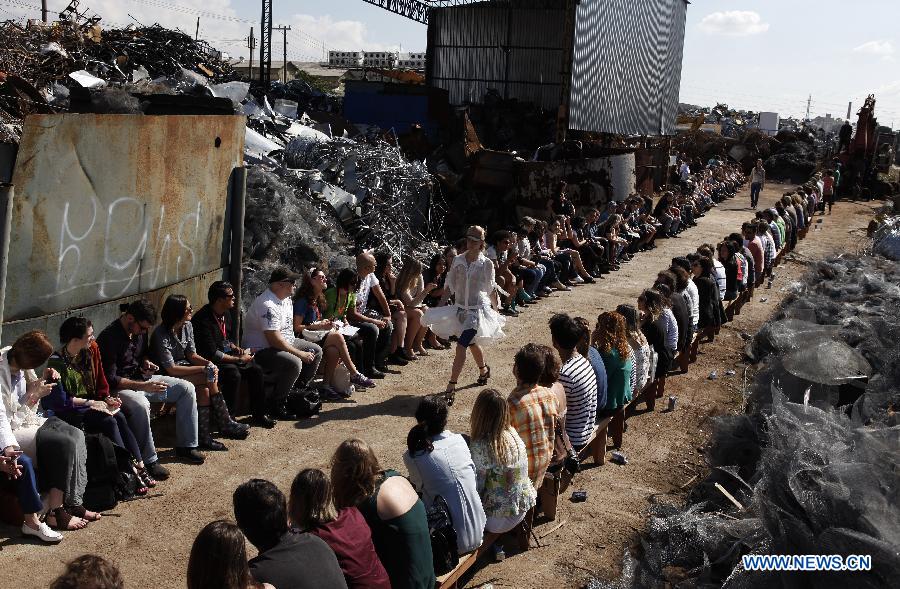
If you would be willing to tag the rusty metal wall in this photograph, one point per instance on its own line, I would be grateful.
(110, 207)
(627, 66)
(516, 48)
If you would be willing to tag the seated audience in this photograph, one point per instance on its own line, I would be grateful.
(269, 331)
(124, 349)
(28, 439)
(435, 274)
(387, 282)
(392, 509)
(501, 464)
(81, 397)
(375, 327)
(678, 307)
(309, 318)
(89, 571)
(533, 411)
(346, 532)
(578, 379)
(611, 341)
(286, 558)
(640, 349)
(711, 315)
(218, 559)
(650, 305)
(173, 347)
(411, 289)
(439, 464)
(550, 377)
(214, 338)
(593, 356)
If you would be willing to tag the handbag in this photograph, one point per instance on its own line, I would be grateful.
(564, 454)
(443, 537)
(304, 402)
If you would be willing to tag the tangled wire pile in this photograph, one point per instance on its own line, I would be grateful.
(390, 202)
(285, 225)
(814, 479)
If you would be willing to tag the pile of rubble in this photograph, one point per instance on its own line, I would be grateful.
(40, 64)
(812, 464)
(317, 190)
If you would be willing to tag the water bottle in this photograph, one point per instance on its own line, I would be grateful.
(210, 372)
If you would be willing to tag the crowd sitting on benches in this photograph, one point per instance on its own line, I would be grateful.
(362, 525)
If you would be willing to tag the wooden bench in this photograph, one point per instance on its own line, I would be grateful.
(466, 561)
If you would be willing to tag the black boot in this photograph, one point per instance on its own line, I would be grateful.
(203, 433)
(228, 427)
(260, 416)
(280, 411)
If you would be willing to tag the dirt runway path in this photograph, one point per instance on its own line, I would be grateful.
(150, 539)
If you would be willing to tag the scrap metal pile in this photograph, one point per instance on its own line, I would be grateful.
(790, 155)
(38, 63)
(813, 462)
(314, 195)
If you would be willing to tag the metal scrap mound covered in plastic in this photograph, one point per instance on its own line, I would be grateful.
(813, 462)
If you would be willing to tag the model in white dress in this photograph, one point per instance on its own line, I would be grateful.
(472, 318)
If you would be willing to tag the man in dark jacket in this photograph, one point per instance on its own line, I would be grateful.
(213, 335)
(287, 559)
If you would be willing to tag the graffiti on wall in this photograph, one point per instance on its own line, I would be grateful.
(111, 206)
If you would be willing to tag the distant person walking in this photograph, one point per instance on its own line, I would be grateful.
(757, 181)
(828, 190)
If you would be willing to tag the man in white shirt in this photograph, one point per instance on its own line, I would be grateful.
(269, 331)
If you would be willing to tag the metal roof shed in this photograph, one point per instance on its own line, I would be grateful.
(609, 66)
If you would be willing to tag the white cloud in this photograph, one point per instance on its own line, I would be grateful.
(877, 48)
(338, 35)
(734, 23)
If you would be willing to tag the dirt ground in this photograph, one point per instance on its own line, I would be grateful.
(150, 539)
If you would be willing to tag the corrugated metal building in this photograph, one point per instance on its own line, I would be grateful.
(611, 66)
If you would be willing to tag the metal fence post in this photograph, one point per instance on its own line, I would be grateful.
(6, 203)
(238, 194)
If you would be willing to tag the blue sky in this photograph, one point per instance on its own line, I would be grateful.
(757, 54)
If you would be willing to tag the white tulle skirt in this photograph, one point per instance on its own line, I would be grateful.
(452, 321)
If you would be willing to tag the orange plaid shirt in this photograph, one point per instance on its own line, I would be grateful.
(533, 414)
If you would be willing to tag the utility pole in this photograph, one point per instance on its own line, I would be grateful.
(265, 45)
(44, 10)
(849, 108)
(197, 31)
(284, 31)
(251, 45)
(808, 104)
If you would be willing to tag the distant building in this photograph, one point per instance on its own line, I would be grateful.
(383, 59)
(827, 123)
(292, 69)
(345, 58)
(412, 61)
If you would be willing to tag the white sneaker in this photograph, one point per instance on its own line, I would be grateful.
(43, 533)
(578, 280)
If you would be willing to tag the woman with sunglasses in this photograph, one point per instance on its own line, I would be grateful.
(472, 318)
(309, 307)
(175, 349)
